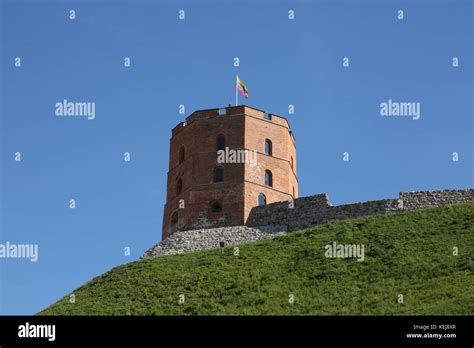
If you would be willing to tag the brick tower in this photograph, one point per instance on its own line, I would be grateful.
(224, 162)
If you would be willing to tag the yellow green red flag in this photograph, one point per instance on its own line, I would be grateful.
(242, 88)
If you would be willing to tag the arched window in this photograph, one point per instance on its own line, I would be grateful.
(174, 218)
(181, 155)
(292, 163)
(216, 207)
(268, 178)
(268, 147)
(262, 200)
(179, 186)
(220, 142)
(174, 222)
(218, 174)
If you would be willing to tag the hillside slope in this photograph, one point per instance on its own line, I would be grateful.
(409, 254)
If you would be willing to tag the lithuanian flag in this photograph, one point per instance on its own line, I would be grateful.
(242, 88)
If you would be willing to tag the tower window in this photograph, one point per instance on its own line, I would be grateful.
(292, 163)
(174, 218)
(179, 186)
(174, 222)
(262, 200)
(268, 147)
(181, 155)
(268, 178)
(220, 142)
(216, 207)
(218, 174)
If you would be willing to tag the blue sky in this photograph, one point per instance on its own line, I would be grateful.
(190, 62)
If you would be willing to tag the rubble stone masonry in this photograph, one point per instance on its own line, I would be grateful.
(274, 219)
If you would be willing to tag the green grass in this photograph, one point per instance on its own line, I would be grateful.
(409, 254)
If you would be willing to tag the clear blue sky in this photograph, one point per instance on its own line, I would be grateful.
(190, 62)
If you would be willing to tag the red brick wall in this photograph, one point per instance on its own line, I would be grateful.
(243, 127)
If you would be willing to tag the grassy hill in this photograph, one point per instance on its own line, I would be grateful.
(409, 254)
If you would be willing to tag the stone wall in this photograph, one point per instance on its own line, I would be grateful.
(277, 214)
(302, 218)
(193, 240)
(277, 218)
(430, 199)
(314, 210)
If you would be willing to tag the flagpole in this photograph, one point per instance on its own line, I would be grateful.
(236, 94)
